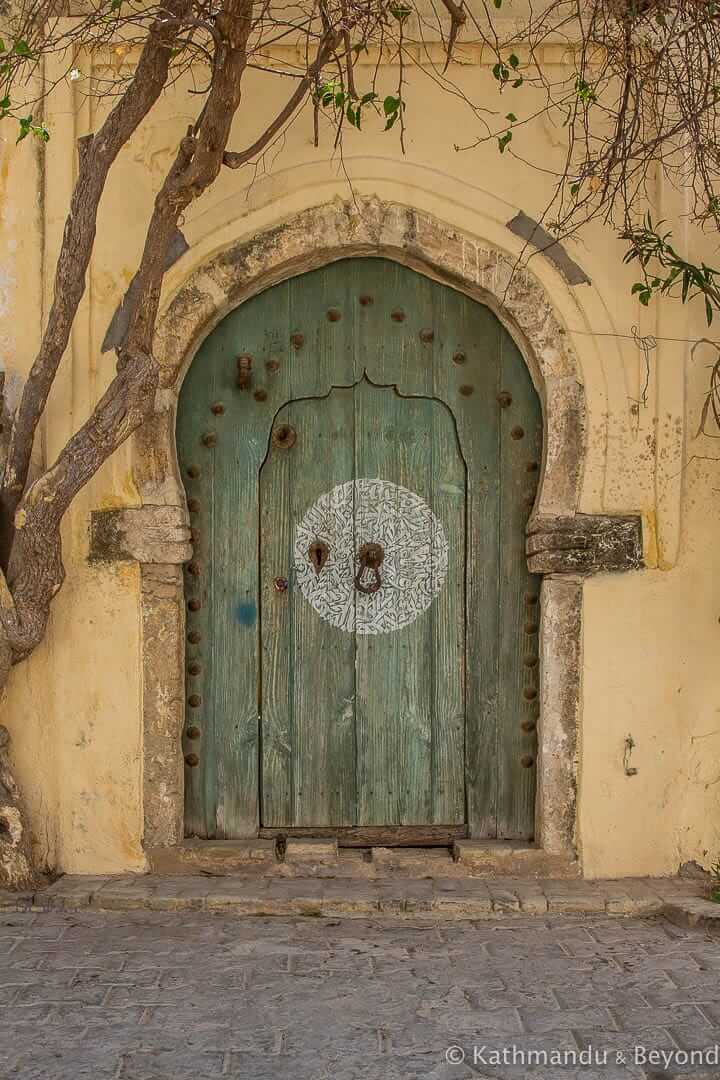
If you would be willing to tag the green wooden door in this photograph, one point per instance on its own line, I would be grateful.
(360, 447)
(363, 701)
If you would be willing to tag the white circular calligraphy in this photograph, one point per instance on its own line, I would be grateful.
(415, 559)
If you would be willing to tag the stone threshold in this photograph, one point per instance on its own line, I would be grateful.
(437, 898)
(312, 857)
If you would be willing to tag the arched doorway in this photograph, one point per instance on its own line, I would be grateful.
(360, 447)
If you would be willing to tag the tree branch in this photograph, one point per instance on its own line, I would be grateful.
(234, 159)
(36, 572)
(458, 18)
(96, 156)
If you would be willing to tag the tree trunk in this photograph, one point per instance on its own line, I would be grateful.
(16, 866)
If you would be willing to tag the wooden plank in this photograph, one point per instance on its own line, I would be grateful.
(393, 692)
(308, 670)
(379, 836)
(520, 450)
(196, 466)
(447, 615)
(276, 622)
(324, 683)
(242, 432)
(467, 377)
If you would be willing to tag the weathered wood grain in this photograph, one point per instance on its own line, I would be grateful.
(413, 728)
(519, 601)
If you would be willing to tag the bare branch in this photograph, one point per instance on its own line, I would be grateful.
(235, 159)
(458, 18)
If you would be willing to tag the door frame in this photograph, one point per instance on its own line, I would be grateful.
(563, 544)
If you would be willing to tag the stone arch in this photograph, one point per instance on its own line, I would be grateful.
(370, 227)
(563, 545)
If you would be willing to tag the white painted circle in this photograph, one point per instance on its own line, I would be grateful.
(414, 567)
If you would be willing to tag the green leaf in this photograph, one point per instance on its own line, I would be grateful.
(400, 11)
(644, 298)
(2, 46)
(21, 48)
(584, 91)
(518, 82)
(708, 311)
(25, 125)
(637, 287)
(339, 99)
(574, 188)
(513, 61)
(498, 4)
(5, 104)
(391, 120)
(511, 117)
(391, 105)
(366, 98)
(502, 142)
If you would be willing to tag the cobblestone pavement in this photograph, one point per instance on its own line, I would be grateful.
(171, 996)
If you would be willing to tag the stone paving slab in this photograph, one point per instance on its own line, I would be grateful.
(173, 995)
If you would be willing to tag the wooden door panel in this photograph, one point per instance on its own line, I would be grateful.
(435, 392)
(410, 707)
(308, 676)
(360, 728)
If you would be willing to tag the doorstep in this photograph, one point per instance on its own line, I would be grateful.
(436, 898)
(305, 857)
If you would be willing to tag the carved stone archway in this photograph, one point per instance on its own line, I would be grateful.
(562, 545)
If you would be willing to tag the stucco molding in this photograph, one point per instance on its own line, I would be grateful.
(145, 534)
(585, 544)
(226, 279)
(559, 721)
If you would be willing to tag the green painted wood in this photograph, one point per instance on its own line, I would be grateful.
(519, 624)
(418, 726)
(308, 665)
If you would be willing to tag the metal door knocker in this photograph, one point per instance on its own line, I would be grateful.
(370, 557)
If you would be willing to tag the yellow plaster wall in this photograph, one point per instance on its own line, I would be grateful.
(650, 638)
